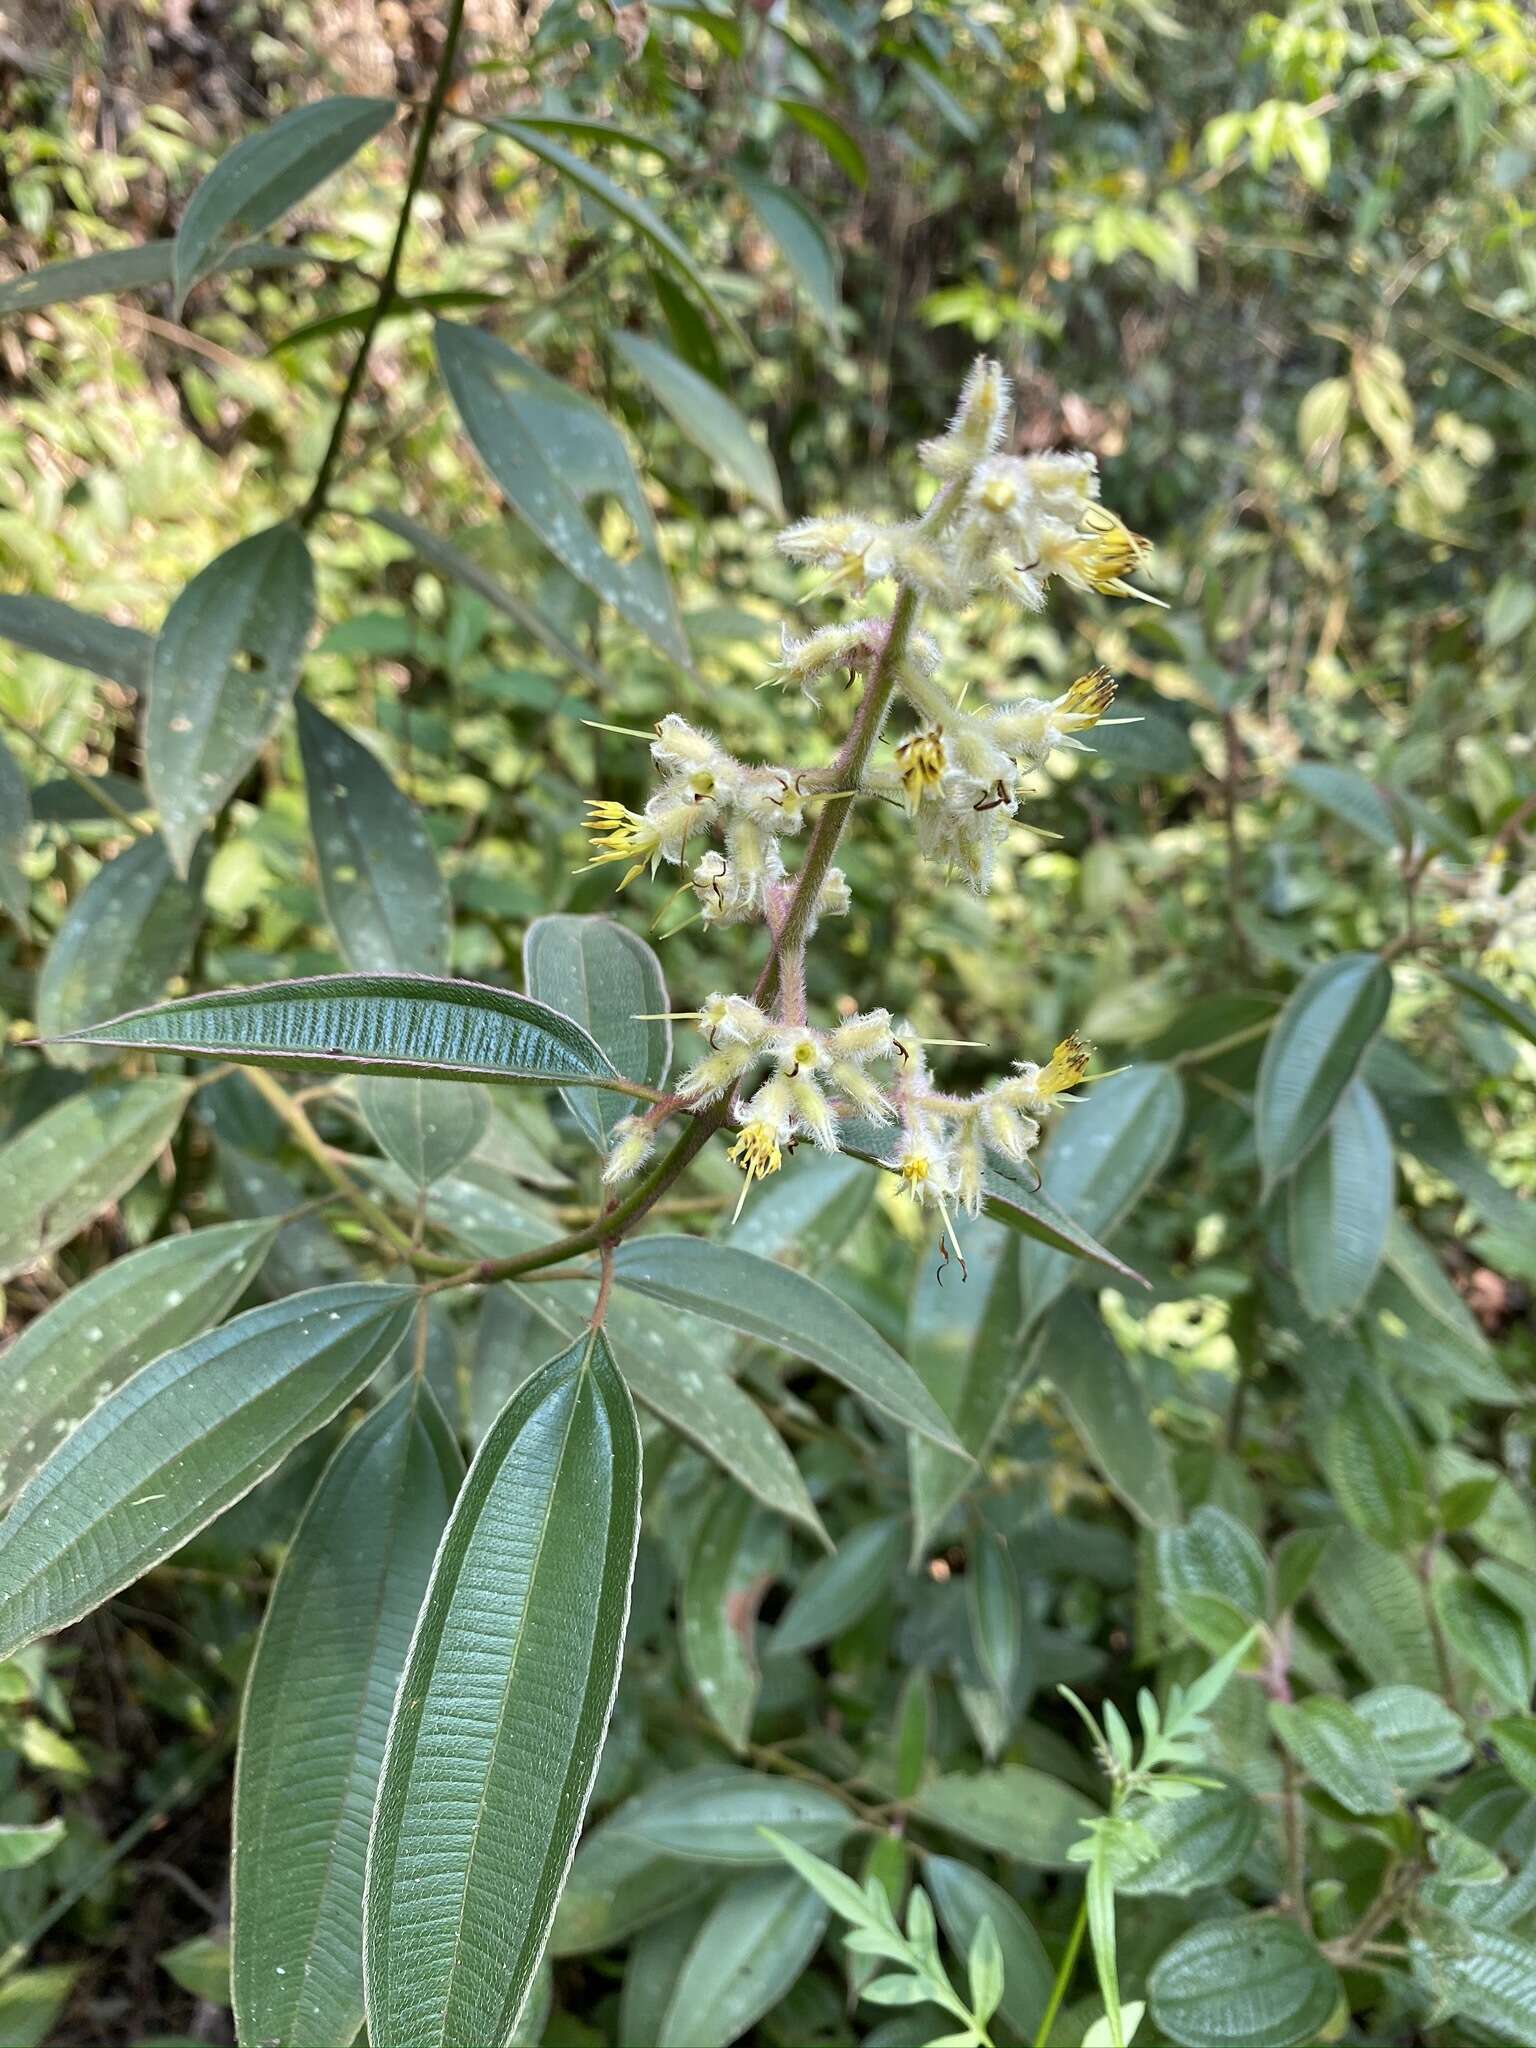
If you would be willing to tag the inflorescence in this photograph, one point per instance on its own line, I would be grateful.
(997, 523)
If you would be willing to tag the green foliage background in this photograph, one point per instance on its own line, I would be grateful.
(1275, 270)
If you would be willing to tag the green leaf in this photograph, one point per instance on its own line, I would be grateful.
(671, 1372)
(1213, 1576)
(383, 891)
(738, 1553)
(806, 1212)
(65, 1166)
(1019, 1813)
(996, 1614)
(523, 1627)
(224, 668)
(803, 243)
(41, 624)
(1311, 1055)
(1107, 1407)
(96, 1335)
(716, 1814)
(611, 983)
(969, 1347)
(410, 1024)
(1025, 1210)
(1480, 1973)
(619, 1885)
(1515, 1740)
(1373, 1465)
(749, 1952)
(840, 1590)
(1349, 796)
(128, 931)
(1104, 1154)
(598, 185)
(788, 1310)
(1337, 1751)
(1189, 1844)
(31, 2002)
(1372, 1601)
(551, 452)
(963, 1898)
(22, 1845)
(140, 267)
(1422, 1738)
(452, 562)
(258, 180)
(15, 830)
(182, 1440)
(200, 1966)
(1508, 1010)
(1252, 1981)
(706, 417)
(315, 1718)
(1340, 1206)
(1495, 1640)
(831, 134)
(426, 1127)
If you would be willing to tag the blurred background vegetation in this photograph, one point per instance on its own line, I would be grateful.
(1276, 269)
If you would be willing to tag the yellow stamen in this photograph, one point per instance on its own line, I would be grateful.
(921, 762)
(1066, 1066)
(1085, 701)
(756, 1152)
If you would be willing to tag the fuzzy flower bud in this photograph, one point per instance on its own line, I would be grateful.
(977, 426)
(856, 551)
(633, 1140)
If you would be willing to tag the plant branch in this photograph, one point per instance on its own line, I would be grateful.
(314, 505)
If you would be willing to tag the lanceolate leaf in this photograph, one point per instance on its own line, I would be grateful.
(839, 1590)
(802, 241)
(611, 983)
(426, 1127)
(1029, 1211)
(672, 1371)
(1108, 1410)
(1311, 1055)
(1015, 1812)
(45, 626)
(523, 1628)
(15, 825)
(139, 267)
(706, 416)
(369, 1024)
(263, 176)
(551, 451)
(383, 891)
(748, 1953)
(65, 1166)
(1099, 1161)
(124, 936)
(969, 1346)
(963, 1898)
(790, 1310)
(739, 1550)
(225, 665)
(453, 562)
(1509, 1011)
(718, 1814)
(316, 1715)
(1341, 1206)
(179, 1442)
(94, 1337)
(599, 186)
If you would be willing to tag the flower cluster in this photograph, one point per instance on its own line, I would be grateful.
(996, 523)
(790, 1081)
(706, 791)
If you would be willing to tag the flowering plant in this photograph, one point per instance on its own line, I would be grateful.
(995, 523)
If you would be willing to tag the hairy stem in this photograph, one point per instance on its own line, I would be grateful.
(314, 505)
(789, 946)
